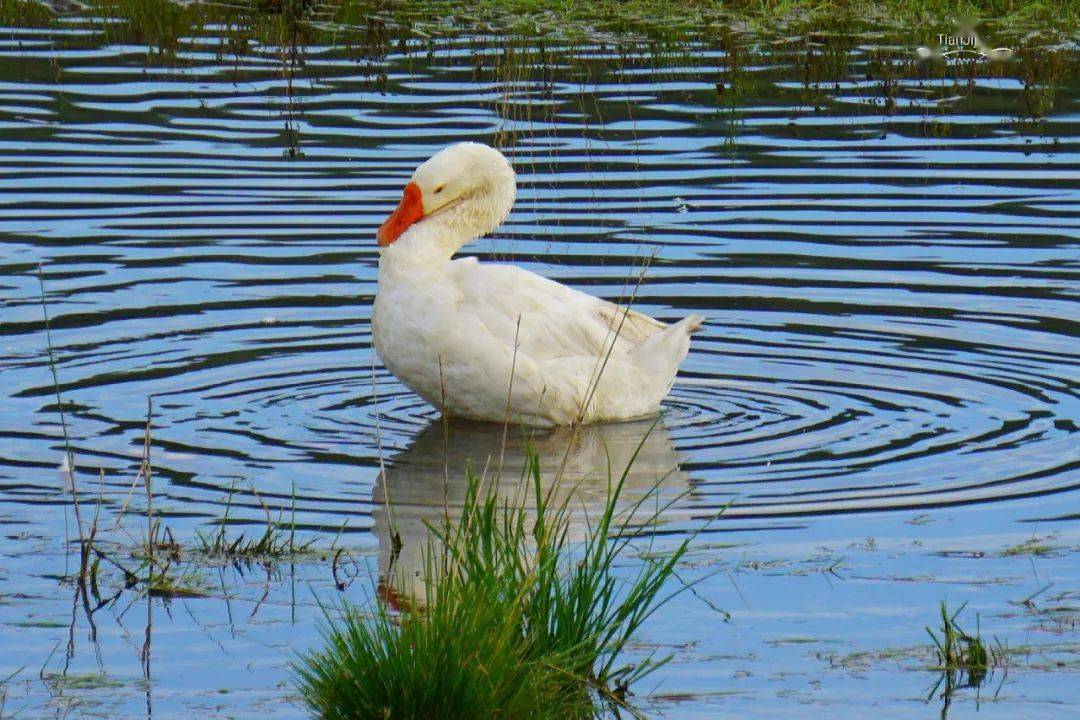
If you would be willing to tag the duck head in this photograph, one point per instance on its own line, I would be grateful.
(462, 192)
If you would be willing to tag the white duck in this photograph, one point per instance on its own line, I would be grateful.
(495, 342)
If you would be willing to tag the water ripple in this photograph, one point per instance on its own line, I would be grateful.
(888, 270)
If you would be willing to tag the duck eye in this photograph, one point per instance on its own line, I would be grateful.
(440, 189)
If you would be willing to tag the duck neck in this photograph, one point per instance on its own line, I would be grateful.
(436, 238)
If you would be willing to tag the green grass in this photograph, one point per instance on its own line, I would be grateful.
(517, 619)
(963, 660)
(277, 540)
(958, 650)
(1035, 546)
(274, 543)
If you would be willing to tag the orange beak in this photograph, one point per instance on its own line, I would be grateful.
(408, 211)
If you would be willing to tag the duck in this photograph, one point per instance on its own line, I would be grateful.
(495, 342)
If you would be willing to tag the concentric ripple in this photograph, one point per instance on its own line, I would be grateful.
(888, 270)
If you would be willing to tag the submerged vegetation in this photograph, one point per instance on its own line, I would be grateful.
(511, 618)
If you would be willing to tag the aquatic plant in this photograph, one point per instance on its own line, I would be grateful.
(959, 650)
(277, 540)
(1035, 546)
(518, 620)
(964, 660)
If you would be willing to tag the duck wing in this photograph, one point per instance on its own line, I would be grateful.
(547, 319)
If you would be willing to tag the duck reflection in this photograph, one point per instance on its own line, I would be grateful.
(429, 479)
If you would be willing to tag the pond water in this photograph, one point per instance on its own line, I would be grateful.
(884, 390)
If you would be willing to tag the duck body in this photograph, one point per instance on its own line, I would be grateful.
(497, 342)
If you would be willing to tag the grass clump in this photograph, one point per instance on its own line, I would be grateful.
(963, 660)
(278, 539)
(519, 620)
(462, 657)
(958, 650)
(274, 543)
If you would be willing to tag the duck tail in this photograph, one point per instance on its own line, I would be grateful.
(662, 351)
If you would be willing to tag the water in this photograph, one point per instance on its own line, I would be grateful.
(885, 252)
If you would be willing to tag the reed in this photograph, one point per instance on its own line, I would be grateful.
(85, 541)
(519, 619)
